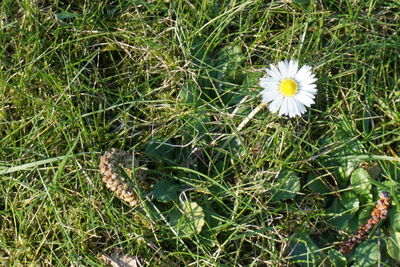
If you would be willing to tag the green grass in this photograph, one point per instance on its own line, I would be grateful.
(163, 79)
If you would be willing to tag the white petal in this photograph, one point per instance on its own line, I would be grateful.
(311, 89)
(282, 66)
(300, 108)
(303, 73)
(293, 66)
(306, 93)
(307, 86)
(305, 100)
(268, 84)
(309, 80)
(283, 110)
(274, 73)
(297, 107)
(275, 104)
(292, 108)
(269, 95)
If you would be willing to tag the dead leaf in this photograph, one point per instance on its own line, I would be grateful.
(119, 259)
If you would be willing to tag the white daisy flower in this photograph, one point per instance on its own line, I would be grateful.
(289, 89)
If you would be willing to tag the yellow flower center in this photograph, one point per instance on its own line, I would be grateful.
(288, 87)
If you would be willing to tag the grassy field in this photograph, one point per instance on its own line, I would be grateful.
(170, 81)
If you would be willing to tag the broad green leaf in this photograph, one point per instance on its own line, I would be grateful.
(366, 254)
(341, 221)
(359, 219)
(236, 145)
(344, 134)
(336, 258)
(360, 182)
(200, 53)
(190, 94)
(228, 63)
(394, 216)
(340, 218)
(288, 185)
(346, 168)
(196, 127)
(201, 62)
(341, 167)
(374, 170)
(367, 198)
(229, 74)
(303, 251)
(165, 191)
(160, 150)
(211, 229)
(390, 183)
(189, 220)
(350, 201)
(211, 215)
(365, 213)
(393, 245)
(66, 15)
(316, 185)
(302, 2)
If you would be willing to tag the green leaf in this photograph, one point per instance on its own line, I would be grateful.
(212, 227)
(236, 145)
(360, 182)
(189, 220)
(228, 63)
(211, 215)
(340, 219)
(303, 251)
(200, 53)
(287, 187)
(229, 75)
(201, 62)
(365, 213)
(393, 245)
(347, 166)
(316, 185)
(165, 191)
(190, 94)
(302, 2)
(394, 216)
(350, 202)
(336, 258)
(366, 254)
(353, 225)
(344, 134)
(196, 127)
(66, 15)
(160, 150)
